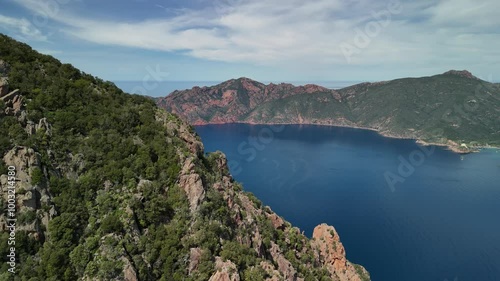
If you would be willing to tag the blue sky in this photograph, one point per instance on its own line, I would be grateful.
(279, 40)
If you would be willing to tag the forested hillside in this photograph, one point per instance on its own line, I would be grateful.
(454, 109)
(109, 187)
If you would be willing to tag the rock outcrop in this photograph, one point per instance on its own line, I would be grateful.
(194, 259)
(225, 271)
(285, 268)
(4, 86)
(332, 253)
(192, 184)
(461, 73)
(30, 196)
(4, 81)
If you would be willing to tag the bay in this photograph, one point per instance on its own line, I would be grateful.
(440, 223)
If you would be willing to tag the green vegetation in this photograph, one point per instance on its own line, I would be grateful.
(454, 106)
(359, 270)
(435, 109)
(37, 176)
(94, 125)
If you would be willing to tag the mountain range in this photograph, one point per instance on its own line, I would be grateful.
(454, 109)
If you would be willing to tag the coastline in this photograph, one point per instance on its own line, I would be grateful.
(451, 145)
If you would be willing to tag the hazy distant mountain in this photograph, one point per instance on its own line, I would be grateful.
(454, 108)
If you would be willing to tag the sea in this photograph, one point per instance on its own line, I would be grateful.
(404, 211)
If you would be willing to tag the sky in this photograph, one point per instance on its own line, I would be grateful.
(265, 40)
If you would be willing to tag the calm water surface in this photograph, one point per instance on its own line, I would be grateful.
(441, 223)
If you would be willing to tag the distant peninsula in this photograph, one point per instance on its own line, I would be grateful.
(454, 109)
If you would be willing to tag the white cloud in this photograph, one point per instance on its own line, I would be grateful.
(280, 32)
(22, 27)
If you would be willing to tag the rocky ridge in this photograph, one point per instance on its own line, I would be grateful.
(231, 100)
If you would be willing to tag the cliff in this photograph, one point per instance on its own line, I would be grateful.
(109, 187)
(454, 109)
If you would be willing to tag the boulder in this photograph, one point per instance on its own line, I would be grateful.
(225, 271)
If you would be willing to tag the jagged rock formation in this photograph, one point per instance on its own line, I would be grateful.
(332, 253)
(246, 217)
(454, 109)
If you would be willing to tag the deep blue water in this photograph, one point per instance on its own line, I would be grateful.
(441, 223)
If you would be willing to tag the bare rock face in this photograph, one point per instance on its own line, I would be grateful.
(284, 266)
(4, 86)
(4, 82)
(129, 273)
(30, 197)
(332, 253)
(44, 125)
(30, 128)
(4, 68)
(192, 184)
(461, 73)
(18, 104)
(23, 159)
(194, 259)
(225, 271)
(277, 222)
(258, 244)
